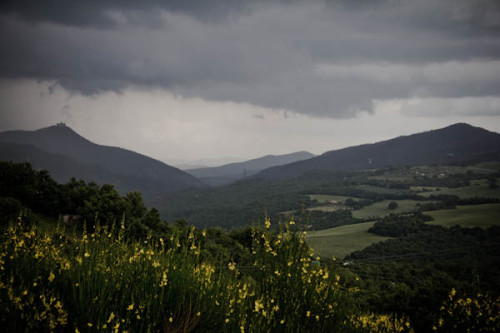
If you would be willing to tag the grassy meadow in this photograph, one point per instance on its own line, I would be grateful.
(482, 216)
(379, 209)
(341, 241)
(325, 208)
(478, 188)
(380, 190)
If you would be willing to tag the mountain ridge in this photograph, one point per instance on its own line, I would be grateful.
(457, 142)
(228, 173)
(120, 162)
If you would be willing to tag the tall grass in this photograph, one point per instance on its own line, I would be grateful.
(99, 281)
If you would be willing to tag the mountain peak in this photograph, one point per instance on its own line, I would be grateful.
(57, 128)
(462, 127)
(61, 139)
(455, 143)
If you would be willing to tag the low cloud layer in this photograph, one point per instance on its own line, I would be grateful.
(322, 58)
(176, 129)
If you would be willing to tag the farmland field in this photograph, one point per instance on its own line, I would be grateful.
(478, 188)
(406, 175)
(379, 209)
(380, 190)
(341, 241)
(485, 167)
(326, 198)
(394, 178)
(482, 216)
(325, 208)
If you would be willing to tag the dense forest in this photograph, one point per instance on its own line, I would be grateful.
(249, 201)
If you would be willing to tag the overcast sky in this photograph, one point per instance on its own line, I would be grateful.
(189, 80)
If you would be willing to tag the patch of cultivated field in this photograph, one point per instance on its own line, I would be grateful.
(482, 216)
(341, 241)
(479, 182)
(326, 208)
(420, 189)
(327, 198)
(393, 177)
(431, 171)
(485, 167)
(477, 189)
(381, 190)
(379, 209)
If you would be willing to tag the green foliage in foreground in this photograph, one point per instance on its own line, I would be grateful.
(24, 189)
(101, 282)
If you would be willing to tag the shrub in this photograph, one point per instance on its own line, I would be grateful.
(99, 281)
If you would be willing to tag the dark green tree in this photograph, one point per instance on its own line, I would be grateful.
(392, 205)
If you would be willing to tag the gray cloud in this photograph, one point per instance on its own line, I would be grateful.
(111, 13)
(331, 59)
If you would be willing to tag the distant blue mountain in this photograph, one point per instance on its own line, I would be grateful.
(228, 173)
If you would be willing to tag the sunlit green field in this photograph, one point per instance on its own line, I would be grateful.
(341, 241)
(379, 209)
(482, 216)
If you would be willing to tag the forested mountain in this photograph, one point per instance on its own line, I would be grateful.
(228, 173)
(455, 143)
(66, 154)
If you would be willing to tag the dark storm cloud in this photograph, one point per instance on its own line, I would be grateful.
(106, 13)
(332, 58)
